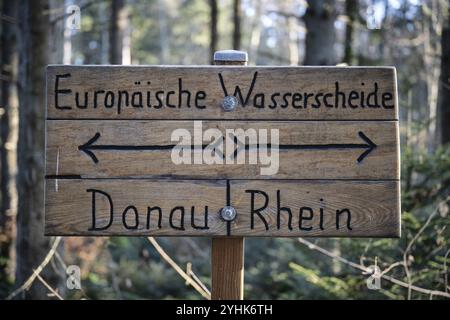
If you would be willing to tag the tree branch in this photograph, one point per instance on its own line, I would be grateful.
(329, 254)
(177, 268)
(55, 293)
(27, 284)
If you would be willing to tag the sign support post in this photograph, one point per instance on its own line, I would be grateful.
(227, 254)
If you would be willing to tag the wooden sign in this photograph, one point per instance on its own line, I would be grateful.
(151, 150)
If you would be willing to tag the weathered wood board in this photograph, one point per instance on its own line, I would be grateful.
(190, 207)
(274, 93)
(317, 144)
(319, 208)
(134, 206)
(338, 161)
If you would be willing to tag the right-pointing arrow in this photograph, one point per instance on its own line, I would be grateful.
(369, 146)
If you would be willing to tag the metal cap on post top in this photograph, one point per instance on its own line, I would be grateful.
(231, 57)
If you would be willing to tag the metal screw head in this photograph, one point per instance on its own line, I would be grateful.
(228, 213)
(229, 103)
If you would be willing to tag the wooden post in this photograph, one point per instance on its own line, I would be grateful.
(227, 257)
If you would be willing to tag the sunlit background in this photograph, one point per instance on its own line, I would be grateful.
(402, 33)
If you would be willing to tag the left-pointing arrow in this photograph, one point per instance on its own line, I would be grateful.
(89, 147)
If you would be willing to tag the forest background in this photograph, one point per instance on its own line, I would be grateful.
(412, 35)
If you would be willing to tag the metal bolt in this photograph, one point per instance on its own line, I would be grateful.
(228, 213)
(229, 103)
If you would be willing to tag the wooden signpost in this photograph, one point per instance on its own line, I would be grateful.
(162, 150)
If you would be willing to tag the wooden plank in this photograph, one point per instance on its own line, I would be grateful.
(373, 207)
(70, 205)
(288, 92)
(327, 208)
(327, 156)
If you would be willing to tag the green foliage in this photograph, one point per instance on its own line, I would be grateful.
(331, 285)
(160, 35)
(6, 282)
(177, 32)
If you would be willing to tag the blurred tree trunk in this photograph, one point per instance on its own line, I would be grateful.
(293, 43)
(213, 29)
(351, 11)
(67, 47)
(126, 40)
(444, 85)
(431, 28)
(34, 52)
(255, 33)
(319, 18)
(163, 32)
(237, 17)
(104, 40)
(118, 25)
(56, 45)
(8, 139)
